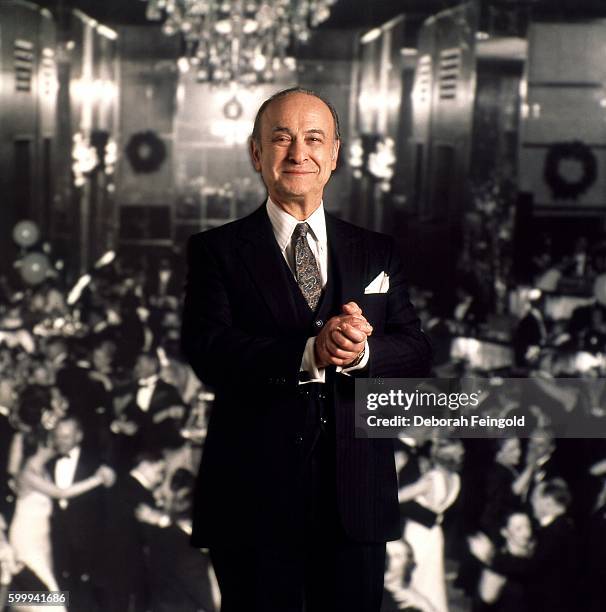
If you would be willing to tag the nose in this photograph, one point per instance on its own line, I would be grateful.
(297, 152)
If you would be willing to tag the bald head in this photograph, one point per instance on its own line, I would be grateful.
(256, 133)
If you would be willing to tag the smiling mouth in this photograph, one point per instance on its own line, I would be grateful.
(297, 172)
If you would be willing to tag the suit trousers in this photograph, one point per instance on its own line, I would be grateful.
(328, 572)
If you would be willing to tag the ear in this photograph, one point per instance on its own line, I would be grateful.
(255, 154)
(335, 154)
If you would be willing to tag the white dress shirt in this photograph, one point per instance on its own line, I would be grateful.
(65, 471)
(145, 391)
(283, 226)
(65, 468)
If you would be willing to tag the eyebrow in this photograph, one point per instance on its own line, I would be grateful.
(280, 128)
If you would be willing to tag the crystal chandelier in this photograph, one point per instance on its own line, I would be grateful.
(244, 41)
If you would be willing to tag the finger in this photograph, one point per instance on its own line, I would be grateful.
(352, 333)
(357, 319)
(349, 333)
(351, 308)
(355, 322)
(350, 347)
(335, 350)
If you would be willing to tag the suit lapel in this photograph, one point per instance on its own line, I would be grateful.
(262, 258)
(83, 467)
(348, 259)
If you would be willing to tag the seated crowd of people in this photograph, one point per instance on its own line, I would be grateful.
(101, 429)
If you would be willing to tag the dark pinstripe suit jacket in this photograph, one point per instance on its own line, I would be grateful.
(241, 337)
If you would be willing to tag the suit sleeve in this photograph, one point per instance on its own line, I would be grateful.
(403, 350)
(218, 352)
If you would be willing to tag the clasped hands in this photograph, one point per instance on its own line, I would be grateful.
(343, 337)
(107, 475)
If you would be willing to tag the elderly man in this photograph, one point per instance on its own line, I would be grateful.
(283, 309)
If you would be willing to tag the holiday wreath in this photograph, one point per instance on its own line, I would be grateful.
(145, 151)
(561, 186)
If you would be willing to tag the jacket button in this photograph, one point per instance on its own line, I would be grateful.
(299, 439)
(319, 323)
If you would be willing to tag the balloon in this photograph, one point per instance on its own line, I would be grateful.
(34, 268)
(599, 289)
(78, 288)
(105, 259)
(26, 233)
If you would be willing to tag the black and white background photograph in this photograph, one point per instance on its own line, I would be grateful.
(216, 216)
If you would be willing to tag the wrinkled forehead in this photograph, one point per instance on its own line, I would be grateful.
(66, 429)
(298, 110)
(518, 520)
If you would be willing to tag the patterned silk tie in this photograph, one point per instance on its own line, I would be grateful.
(306, 267)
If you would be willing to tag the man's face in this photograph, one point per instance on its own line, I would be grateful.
(54, 349)
(518, 530)
(400, 559)
(41, 376)
(155, 472)
(541, 444)
(450, 454)
(145, 367)
(297, 150)
(510, 452)
(542, 505)
(66, 436)
(102, 357)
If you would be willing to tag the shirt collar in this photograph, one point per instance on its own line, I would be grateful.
(547, 520)
(73, 454)
(140, 478)
(150, 381)
(284, 224)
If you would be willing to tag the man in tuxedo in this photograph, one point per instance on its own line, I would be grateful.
(550, 574)
(179, 574)
(283, 309)
(76, 524)
(153, 414)
(127, 536)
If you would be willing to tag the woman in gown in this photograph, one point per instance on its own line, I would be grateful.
(441, 488)
(29, 533)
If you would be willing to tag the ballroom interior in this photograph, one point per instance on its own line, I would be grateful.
(472, 132)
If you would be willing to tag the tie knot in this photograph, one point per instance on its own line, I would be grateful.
(301, 230)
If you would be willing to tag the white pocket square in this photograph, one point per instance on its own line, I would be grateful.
(380, 284)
